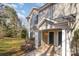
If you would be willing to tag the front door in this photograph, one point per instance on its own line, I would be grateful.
(51, 37)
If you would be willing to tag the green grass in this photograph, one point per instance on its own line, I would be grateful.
(10, 45)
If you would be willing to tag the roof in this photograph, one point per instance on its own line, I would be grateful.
(69, 18)
(45, 6)
(28, 17)
(33, 10)
(64, 19)
(40, 8)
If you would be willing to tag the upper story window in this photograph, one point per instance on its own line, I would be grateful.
(34, 19)
(49, 12)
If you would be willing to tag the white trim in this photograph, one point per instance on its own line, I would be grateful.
(41, 37)
(53, 21)
(48, 37)
(57, 38)
(63, 42)
(68, 44)
(36, 39)
(45, 19)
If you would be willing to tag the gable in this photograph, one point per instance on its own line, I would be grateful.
(51, 25)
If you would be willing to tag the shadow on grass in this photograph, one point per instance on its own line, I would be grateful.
(15, 53)
(9, 53)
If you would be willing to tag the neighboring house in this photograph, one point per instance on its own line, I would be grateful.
(54, 24)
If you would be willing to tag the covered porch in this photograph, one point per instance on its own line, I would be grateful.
(55, 33)
(55, 39)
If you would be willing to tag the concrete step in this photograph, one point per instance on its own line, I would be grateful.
(50, 51)
(47, 51)
(42, 50)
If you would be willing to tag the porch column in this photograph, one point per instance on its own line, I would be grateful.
(68, 44)
(56, 38)
(36, 39)
(66, 36)
(63, 42)
(56, 41)
(41, 38)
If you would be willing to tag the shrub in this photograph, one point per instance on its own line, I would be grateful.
(24, 33)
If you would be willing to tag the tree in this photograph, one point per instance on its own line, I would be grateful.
(13, 19)
(75, 39)
(10, 22)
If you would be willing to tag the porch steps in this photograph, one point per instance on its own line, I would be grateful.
(50, 51)
(47, 50)
(41, 50)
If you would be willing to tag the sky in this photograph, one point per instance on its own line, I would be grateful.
(23, 10)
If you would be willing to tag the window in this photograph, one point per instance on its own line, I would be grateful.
(59, 38)
(36, 19)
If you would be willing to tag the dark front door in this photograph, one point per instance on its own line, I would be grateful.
(51, 37)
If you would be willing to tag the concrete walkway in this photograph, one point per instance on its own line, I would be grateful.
(32, 53)
(44, 51)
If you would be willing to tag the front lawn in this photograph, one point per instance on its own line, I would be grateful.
(9, 46)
